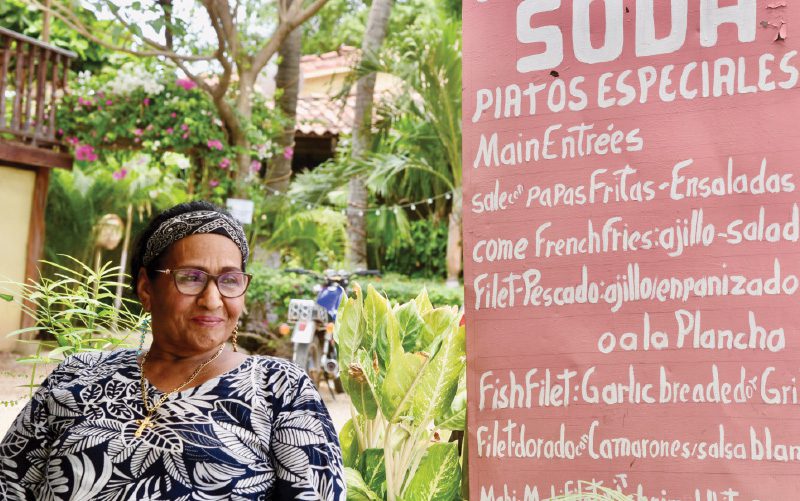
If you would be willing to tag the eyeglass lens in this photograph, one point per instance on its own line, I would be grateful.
(193, 282)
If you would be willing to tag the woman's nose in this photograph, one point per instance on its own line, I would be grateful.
(210, 297)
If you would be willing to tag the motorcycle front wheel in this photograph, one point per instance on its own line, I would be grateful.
(307, 357)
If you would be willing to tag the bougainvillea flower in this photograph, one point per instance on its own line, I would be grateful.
(120, 174)
(169, 130)
(288, 153)
(72, 140)
(255, 166)
(185, 83)
(185, 135)
(146, 101)
(214, 144)
(109, 102)
(184, 127)
(213, 183)
(84, 102)
(173, 115)
(85, 152)
(224, 163)
(138, 132)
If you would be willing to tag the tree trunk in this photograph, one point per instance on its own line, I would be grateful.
(377, 25)
(287, 79)
(244, 111)
(454, 250)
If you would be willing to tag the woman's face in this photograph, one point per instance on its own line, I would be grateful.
(192, 324)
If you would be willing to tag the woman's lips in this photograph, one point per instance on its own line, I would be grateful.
(207, 321)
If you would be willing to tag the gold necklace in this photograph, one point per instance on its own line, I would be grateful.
(147, 422)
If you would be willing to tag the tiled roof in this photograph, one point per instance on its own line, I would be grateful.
(321, 115)
(319, 64)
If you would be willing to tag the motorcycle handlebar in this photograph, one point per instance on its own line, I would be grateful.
(376, 273)
(303, 271)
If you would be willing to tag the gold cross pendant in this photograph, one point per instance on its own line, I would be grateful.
(143, 423)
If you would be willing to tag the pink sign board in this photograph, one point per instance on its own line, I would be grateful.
(632, 269)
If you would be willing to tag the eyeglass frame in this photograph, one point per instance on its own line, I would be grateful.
(208, 275)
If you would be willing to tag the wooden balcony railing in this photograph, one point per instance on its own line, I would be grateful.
(33, 76)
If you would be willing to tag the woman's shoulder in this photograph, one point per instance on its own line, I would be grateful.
(81, 363)
(274, 366)
(279, 377)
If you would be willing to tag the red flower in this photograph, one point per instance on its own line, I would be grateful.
(185, 83)
(85, 152)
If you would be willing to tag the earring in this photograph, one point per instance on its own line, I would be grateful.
(233, 339)
(142, 331)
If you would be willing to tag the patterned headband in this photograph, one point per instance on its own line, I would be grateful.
(194, 223)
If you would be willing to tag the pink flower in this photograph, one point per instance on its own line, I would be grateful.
(146, 101)
(72, 140)
(138, 132)
(213, 183)
(120, 174)
(170, 130)
(149, 127)
(255, 166)
(60, 132)
(184, 127)
(224, 163)
(109, 102)
(288, 153)
(214, 144)
(85, 152)
(185, 83)
(173, 115)
(84, 102)
(185, 135)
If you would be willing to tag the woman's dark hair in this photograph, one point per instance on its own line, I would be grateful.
(144, 236)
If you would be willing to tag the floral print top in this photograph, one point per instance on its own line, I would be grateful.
(259, 431)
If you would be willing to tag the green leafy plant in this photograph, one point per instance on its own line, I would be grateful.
(403, 289)
(404, 370)
(74, 312)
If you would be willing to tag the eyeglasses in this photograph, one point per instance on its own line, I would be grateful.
(193, 282)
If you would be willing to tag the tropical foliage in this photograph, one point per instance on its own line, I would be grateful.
(78, 311)
(405, 375)
(147, 108)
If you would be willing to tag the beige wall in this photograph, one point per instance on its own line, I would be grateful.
(332, 84)
(16, 196)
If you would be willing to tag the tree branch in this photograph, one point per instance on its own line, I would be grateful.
(76, 24)
(286, 24)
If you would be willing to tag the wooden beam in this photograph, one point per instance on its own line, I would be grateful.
(36, 233)
(24, 156)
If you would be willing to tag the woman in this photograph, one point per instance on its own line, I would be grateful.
(190, 418)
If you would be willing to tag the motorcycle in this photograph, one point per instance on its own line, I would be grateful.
(313, 347)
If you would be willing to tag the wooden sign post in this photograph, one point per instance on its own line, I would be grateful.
(632, 266)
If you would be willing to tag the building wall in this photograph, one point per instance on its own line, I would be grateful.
(16, 195)
(331, 84)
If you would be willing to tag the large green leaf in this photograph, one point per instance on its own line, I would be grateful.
(411, 326)
(403, 372)
(355, 379)
(438, 323)
(349, 443)
(456, 417)
(373, 470)
(439, 379)
(349, 331)
(438, 476)
(382, 326)
(423, 302)
(357, 489)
